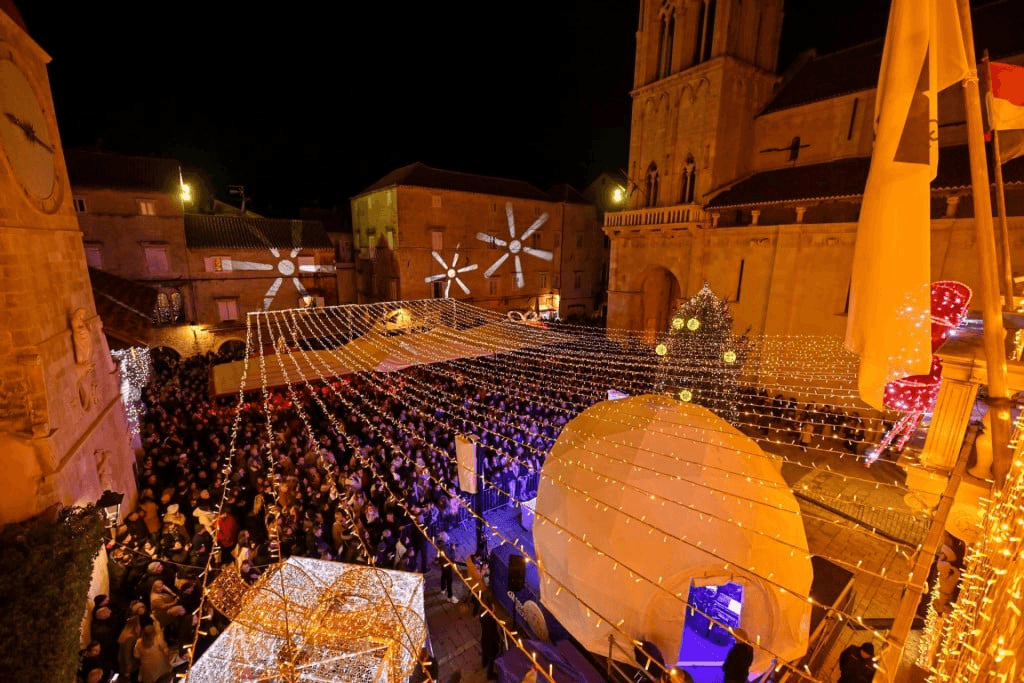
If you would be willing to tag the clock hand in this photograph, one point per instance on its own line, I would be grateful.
(29, 130)
(31, 133)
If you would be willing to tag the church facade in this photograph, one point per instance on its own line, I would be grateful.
(751, 180)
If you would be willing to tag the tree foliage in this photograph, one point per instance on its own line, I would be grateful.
(704, 358)
(45, 572)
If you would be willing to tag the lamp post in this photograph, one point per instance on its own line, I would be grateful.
(110, 503)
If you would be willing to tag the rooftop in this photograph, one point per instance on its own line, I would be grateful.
(845, 178)
(421, 175)
(242, 232)
(564, 192)
(91, 168)
(996, 28)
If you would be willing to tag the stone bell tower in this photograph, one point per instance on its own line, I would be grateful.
(63, 432)
(704, 68)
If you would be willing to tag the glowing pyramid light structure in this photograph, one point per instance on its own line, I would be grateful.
(308, 620)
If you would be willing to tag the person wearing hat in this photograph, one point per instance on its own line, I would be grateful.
(857, 664)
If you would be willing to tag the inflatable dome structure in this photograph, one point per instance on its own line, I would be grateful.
(652, 487)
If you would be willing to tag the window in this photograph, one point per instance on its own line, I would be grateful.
(536, 240)
(435, 201)
(794, 148)
(177, 306)
(579, 240)
(217, 264)
(393, 289)
(853, 118)
(739, 280)
(156, 259)
(307, 264)
(228, 309)
(93, 256)
(577, 280)
(437, 240)
(543, 278)
(652, 184)
(438, 290)
(491, 242)
(492, 285)
(391, 238)
(79, 203)
(147, 207)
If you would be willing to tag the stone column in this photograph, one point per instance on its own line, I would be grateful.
(800, 211)
(755, 216)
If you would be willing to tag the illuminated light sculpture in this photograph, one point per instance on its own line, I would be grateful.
(450, 273)
(312, 620)
(614, 532)
(515, 245)
(916, 395)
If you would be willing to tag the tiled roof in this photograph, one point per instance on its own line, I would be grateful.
(242, 232)
(996, 28)
(844, 178)
(564, 192)
(125, 307)
(89, 168)
(421, 175)
(840, 73)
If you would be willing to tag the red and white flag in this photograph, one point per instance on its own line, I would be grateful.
(1006, 107)
(1006, 99)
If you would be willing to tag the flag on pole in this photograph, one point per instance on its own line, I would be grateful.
(1005, 103)
(889, 314)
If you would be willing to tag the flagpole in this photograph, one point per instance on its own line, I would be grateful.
(1004, 230)
(992, 315)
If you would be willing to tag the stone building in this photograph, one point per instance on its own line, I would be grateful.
(411, 225)
(63, 431)
(752, 180)
(206, 271)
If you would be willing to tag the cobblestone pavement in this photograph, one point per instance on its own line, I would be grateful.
(857, 516)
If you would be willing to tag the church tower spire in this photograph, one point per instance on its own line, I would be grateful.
(703, 70)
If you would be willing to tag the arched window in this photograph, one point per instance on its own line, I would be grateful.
(652, 184)
(177, 306)
(689, 180)
(698, 32)
(668, 36)
(708, 30)
(163, 308)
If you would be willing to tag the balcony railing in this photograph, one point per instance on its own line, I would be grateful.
(656, 215)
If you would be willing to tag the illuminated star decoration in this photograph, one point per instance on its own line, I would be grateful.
(515, 245)
(285, 266)
(451, 273)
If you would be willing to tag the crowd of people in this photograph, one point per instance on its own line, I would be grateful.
(360, 469)
(373, 477)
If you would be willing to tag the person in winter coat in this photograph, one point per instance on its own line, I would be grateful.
(153, 654)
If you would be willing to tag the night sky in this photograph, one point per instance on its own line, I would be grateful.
(306, 105)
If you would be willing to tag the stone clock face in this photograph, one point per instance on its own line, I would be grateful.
(25, 134)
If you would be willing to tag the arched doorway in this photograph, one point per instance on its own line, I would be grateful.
(659, 290)
(234, 348)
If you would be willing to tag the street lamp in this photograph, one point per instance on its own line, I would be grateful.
(618, 194)
(186, 193)
(110, 503)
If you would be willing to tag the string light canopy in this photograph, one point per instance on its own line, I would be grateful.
(449, 343)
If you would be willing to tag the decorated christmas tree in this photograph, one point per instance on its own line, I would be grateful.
(702, 358)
